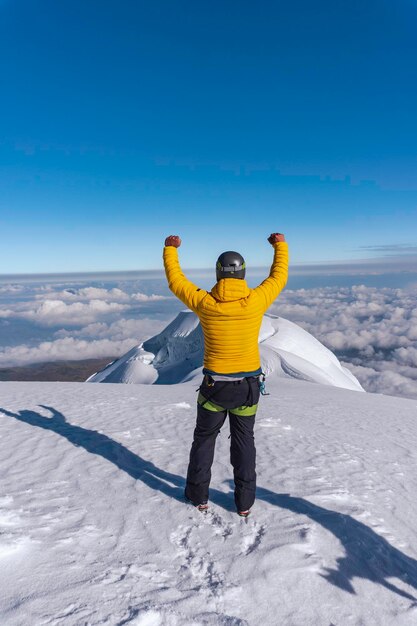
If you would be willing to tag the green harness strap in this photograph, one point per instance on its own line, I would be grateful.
(247, 411)
(208, 404)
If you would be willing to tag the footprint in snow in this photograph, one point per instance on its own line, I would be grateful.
(197, 565)
(220, 526)
(253, 539)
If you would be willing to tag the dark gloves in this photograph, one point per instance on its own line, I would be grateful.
(173, 240)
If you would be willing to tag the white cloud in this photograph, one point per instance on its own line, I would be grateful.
(407, 356)
(84, 293)
(141, 297)
(373, 330)
(95, 340)
(74, 306)
(136, 329)
(13, 289)
(96, 293)
(386, 381)
(57, 312)
(67, 348)
(52, 312)
(92, 321)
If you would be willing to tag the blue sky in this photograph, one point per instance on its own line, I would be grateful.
(122, 122)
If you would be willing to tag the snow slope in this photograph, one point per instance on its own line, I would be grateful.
(93, 529)
(176, 355)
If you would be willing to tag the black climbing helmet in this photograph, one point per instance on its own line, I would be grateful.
(230, 265)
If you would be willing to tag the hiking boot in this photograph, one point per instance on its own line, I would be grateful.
(203, 506)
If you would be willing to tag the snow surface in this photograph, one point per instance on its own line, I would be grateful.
(176, 355)
(93, 529)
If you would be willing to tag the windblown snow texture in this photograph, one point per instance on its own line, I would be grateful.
(94, 530)
(176, 355)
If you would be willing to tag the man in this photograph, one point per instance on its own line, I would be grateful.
(230, 315)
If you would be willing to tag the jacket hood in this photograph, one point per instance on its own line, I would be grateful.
(229, 289)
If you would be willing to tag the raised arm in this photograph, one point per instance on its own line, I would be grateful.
(269, 289)
(183, 288)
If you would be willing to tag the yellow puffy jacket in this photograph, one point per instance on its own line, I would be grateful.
(231, 313)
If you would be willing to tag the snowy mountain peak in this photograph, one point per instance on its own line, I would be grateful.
(288, 348)
(176, 355)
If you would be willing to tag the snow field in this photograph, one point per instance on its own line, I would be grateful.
(93, 529)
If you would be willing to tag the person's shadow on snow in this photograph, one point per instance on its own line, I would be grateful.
(171, 485)
(367, 555)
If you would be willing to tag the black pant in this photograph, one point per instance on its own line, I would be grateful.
(242, 446)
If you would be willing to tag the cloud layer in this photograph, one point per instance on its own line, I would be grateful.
(99, 339)
(96, 293)
(73, 307)
(78, 322)
(373, 331)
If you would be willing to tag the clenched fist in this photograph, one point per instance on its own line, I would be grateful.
(173, 240)
(274, 237)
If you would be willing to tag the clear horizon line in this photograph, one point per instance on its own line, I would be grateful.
(399, 262)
